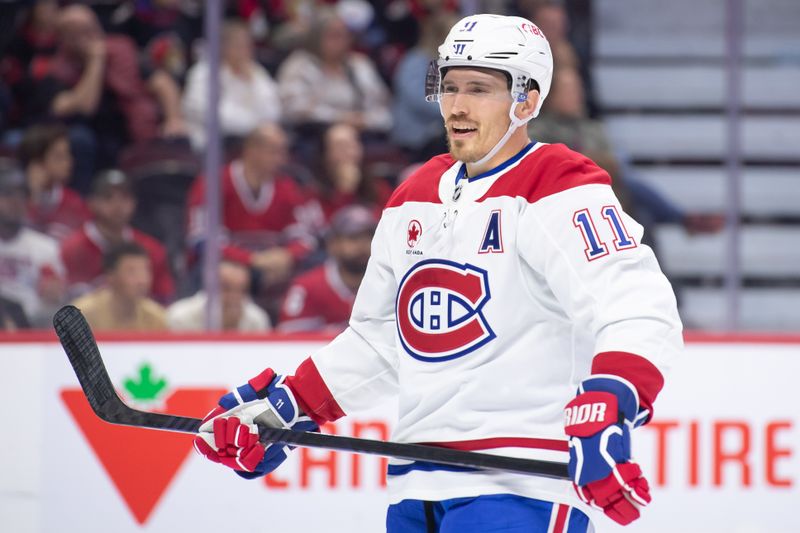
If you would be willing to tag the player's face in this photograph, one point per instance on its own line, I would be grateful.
(475, 105)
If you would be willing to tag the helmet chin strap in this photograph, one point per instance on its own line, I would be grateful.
(512, 127)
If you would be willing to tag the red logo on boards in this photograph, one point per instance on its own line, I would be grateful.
(414, 233)
(126, 453)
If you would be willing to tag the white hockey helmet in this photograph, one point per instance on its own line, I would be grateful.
(511, 44)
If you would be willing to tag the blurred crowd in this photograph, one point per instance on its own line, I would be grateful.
(103, 126)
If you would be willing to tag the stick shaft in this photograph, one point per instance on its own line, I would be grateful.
(78, 341)
(417, 452)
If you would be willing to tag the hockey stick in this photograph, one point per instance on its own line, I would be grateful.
(78, 342)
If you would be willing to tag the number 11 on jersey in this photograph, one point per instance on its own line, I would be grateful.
(595, 247)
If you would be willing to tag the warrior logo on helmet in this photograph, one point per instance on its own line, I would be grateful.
(439, 310)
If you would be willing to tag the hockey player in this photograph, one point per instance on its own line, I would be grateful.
(504, 277)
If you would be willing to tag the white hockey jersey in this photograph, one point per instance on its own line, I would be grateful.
(484, 304)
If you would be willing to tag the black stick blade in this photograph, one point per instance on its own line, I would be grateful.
(79, 343)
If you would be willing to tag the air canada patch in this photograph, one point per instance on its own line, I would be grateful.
(414, 233)
(439, 310)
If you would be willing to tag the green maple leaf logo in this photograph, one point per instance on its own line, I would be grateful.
(145, 388)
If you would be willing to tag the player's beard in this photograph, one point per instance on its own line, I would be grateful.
(464, 151)
(460, 152)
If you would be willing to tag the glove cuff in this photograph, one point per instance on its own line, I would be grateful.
(627, 399)
(312, 394)
(639, 371)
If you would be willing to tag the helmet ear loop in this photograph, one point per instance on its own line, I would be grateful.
(522, 96)
(515, 121)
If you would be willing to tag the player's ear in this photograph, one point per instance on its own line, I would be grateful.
(527, 108)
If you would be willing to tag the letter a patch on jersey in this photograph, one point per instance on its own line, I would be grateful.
(492, 242)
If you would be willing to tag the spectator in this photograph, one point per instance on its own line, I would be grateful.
(321, 299)
(568, 27)
(5, 106)
(552, 19)
(112, 204)
(35, 37)
(341, 178)
(166, 53)
(94, 83)
(262, 208)
(248, 96)
(564, 117)
(418, 123)
(53, 208)
(239, 312)
(31, 273)
(330, 83)
(649, 206)
(565, 120)
(146, 21)
(123, 303)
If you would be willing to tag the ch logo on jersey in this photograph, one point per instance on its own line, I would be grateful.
(439, 310)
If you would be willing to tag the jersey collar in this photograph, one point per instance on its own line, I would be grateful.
(462, 171)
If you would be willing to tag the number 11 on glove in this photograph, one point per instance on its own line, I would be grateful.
(599, 422)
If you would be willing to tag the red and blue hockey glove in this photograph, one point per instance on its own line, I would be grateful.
(599, 423)
(229, 434)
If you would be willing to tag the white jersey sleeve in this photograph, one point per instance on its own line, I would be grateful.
(591, 254)
(609, 284)
(363, 358)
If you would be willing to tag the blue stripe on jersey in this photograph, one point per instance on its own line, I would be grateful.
(425, 466)
(502, 166)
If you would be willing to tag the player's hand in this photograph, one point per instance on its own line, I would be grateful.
(229, 434)
(599, 423)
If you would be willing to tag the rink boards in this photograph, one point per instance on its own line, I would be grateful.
(721, 453)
